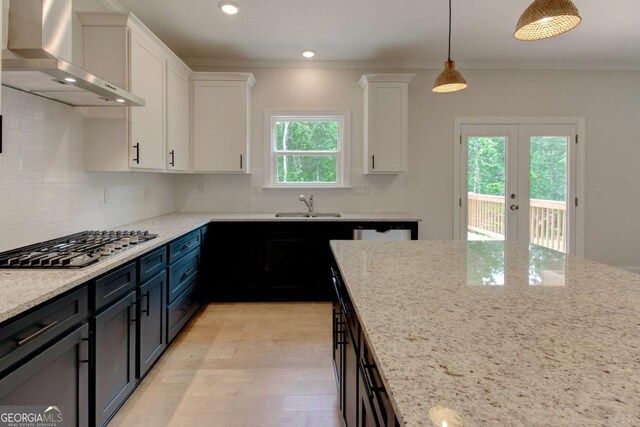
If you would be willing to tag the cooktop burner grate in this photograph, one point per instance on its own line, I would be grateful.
(74, 251)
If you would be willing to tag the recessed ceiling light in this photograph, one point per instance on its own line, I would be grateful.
(308, 54)
(69, 79)
(228, 7)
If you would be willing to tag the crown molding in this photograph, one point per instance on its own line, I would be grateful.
(209, 63)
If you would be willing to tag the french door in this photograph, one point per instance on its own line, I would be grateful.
(518, 183)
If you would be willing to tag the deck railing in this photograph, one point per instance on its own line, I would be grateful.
(547, 220)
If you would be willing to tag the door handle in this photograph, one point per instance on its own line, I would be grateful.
(137, 158)
(89, 342)
(146, 295)
(514, 207)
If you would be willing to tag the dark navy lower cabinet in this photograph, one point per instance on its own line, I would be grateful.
(86, 351)
(114, 338)
(58, 376)
(364, 401)
(151, 322)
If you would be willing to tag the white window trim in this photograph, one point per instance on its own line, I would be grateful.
(343, 153)
(580, 125)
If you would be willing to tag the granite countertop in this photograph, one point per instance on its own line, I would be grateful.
(487, 334)
(21, 290)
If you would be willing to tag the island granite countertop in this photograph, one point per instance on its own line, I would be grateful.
(22, 289)
(488, 334)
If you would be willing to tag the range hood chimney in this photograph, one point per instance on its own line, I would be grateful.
(38, 57)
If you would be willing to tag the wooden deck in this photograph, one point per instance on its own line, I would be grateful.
(547, 224)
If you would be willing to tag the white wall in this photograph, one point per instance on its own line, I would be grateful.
(291, 88)
(610, 102)
(44, 191)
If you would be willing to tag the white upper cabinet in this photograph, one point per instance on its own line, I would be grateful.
(177, 118)
(386, 122)
(221, 116)
(147, 125)
(119, 48)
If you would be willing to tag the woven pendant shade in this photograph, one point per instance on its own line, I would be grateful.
(450, 80)
(547, 18)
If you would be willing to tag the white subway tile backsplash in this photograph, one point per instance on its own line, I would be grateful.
(44, 190)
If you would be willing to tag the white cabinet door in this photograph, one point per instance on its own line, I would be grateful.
(177, 118)
(220, 126)
(386, 122)
(147, 129)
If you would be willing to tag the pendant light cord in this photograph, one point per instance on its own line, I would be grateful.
(449, 55)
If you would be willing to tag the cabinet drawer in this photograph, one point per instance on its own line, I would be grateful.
(182, 274)
(21, 337)
(180, 311)
(56, 376)
(114, 285)
(183, 245)
(152, 264)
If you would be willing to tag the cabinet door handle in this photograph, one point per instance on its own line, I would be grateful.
(137, 157)
(89, 342)
(373, 161)
(368, 381)
(146, 295)
(240, 161)
(132, 309)
(36, 334)
(173, 158)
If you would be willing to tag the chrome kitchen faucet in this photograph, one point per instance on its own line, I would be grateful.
(309, 202)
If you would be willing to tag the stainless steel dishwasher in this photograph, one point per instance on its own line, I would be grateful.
(387, 234)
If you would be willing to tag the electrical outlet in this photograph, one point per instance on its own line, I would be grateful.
(256, 190)
(364, 190)
(147, 191)
(201, 188)
(107, 195)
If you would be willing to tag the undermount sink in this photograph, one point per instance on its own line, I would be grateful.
(307, 215)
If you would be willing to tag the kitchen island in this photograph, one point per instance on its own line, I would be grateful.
(487, 334)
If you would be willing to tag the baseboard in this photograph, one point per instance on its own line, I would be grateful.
(631, 269)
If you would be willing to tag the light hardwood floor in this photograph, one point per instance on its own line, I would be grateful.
(246, 365)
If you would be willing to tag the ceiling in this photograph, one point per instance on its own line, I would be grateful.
(403, 32)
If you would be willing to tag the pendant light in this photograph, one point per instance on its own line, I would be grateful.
(450, 80)
(547, 18)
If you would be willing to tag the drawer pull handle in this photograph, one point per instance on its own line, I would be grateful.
(36, 334)
(187, 245)
(188, 272)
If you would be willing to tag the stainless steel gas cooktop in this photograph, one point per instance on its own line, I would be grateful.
(74, 251)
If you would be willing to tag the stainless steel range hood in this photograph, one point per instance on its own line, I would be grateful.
(37, 57)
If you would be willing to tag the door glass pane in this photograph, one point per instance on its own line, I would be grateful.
(486, 181)
(548, 189)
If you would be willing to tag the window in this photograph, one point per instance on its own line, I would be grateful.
(308, 150)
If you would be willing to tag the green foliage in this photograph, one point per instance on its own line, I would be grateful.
(487, 165)
(307, 136)
(307, 169)
(548, 167)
